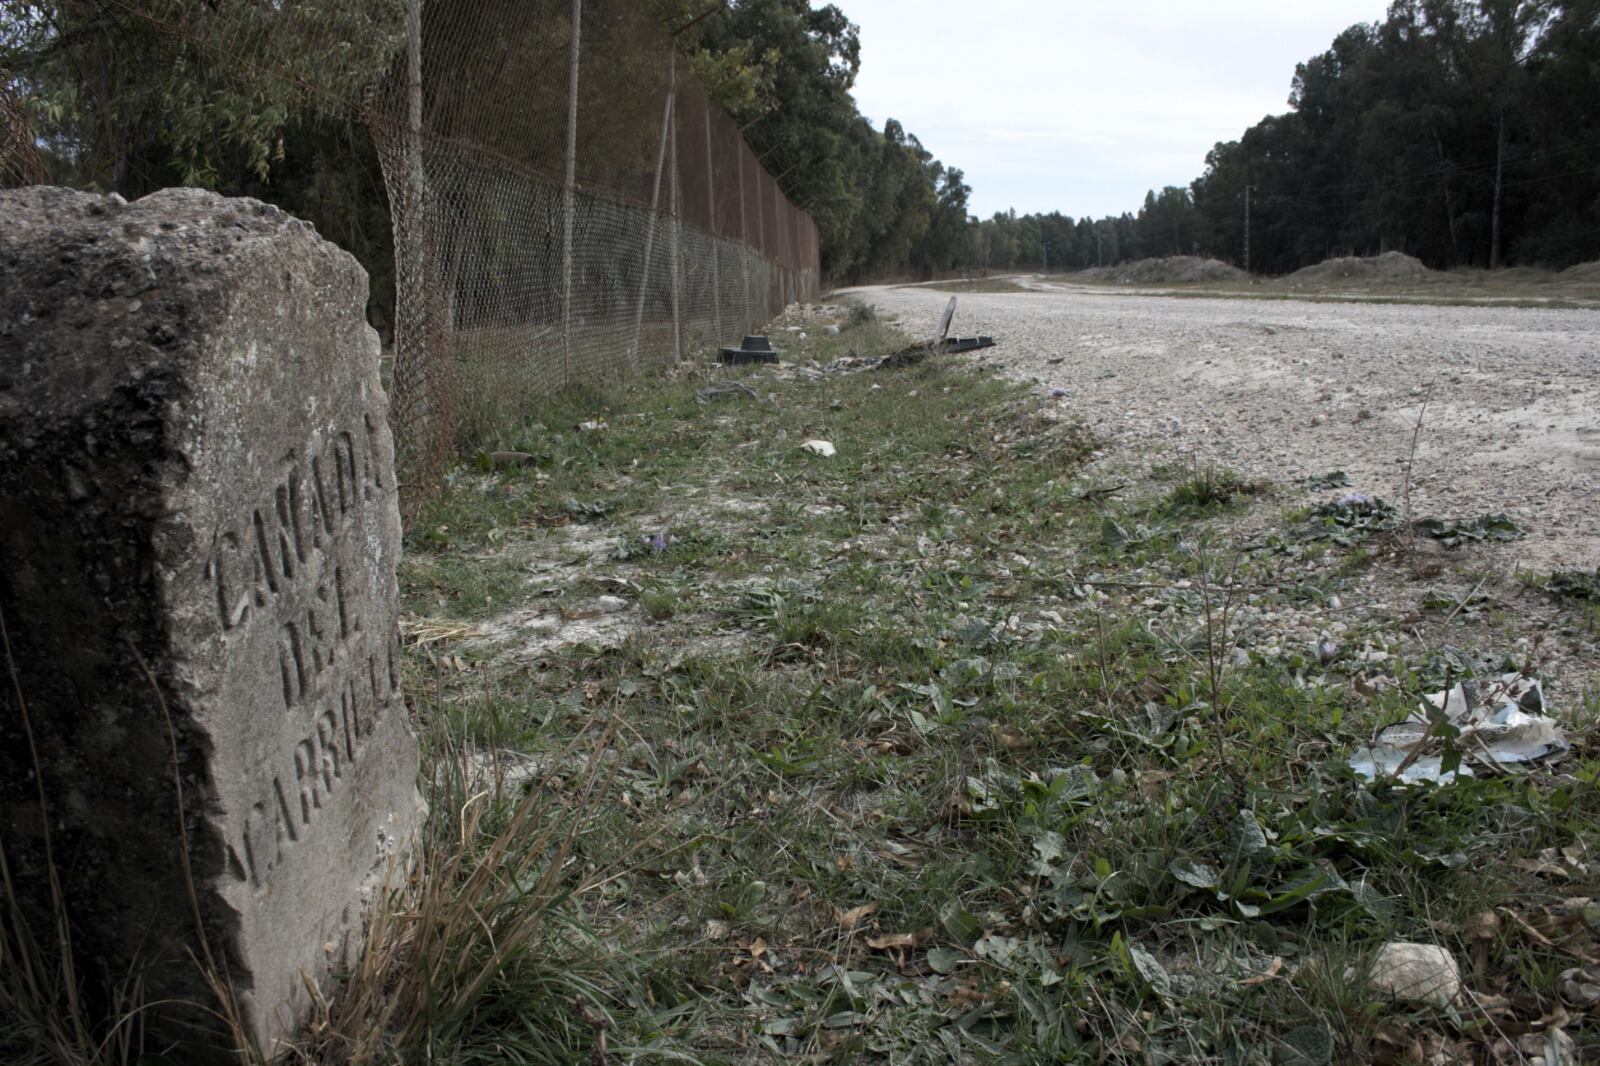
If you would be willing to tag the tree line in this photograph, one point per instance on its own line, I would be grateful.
(116, 104)
(1463, 132)
(884, 206)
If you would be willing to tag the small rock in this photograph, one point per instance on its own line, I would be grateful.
(832, 331)
(1416, 973)
(611, 604)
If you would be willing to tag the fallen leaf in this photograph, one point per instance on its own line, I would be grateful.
(1543, 869)
(966, 995)
(1274, 968)
(894, 941)
(851, 918)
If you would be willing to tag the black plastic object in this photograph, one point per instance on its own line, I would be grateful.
(752, 349)
(965, 344)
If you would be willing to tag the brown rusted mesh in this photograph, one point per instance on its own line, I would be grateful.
(568, 205)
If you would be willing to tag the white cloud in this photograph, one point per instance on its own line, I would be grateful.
(1082, 107)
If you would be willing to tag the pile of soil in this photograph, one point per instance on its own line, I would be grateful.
(1583, 272)
(1390, 266)
(1167, 271)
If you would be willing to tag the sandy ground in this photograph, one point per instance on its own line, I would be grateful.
(1287, 389)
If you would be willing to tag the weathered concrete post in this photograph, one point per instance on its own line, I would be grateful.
(196, 477)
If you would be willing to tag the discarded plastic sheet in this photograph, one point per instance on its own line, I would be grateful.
(1500, 721)
(819, 447)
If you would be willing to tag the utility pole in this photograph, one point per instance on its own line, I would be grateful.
(1247, 189)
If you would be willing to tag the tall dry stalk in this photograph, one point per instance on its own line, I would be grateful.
(1411, 460)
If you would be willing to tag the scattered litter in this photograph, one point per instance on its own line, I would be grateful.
(1486, 724)
(753, 349)
(1416, 973)
(592, 427)
(819, 447)
(943, 344)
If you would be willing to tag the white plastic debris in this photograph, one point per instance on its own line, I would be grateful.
(819, 447)
(832, 331)
(592, 427)
(1416, 973)
(1500, 722)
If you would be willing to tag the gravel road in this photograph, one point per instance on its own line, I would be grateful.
(1286, 389)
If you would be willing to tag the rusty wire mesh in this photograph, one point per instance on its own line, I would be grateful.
(568, 204)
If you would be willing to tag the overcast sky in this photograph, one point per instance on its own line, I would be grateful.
(1081, 107)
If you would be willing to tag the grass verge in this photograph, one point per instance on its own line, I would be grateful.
(930, 752)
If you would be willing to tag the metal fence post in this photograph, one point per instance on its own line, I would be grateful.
(716, 242)
(650, 229)
(677, 222)
(761, 249)
(744, 243)
(569, 197)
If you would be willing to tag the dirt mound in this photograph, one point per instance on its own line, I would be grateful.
(1390, 266)
(1167, 271)
(1583, 272)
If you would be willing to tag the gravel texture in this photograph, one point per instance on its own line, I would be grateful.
(1288, 389)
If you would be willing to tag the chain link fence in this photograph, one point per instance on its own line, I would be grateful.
(568, 204)
(569, 207)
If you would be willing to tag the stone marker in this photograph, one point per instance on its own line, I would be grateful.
(197, 476)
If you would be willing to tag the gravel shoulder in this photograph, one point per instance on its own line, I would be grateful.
(1289, 389)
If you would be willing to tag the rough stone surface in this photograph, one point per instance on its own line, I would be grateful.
(197, 478)
(1416, 973)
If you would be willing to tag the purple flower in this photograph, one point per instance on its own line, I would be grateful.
(1060, 392)
(660, 541)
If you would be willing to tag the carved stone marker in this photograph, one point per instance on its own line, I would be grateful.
(198, 540)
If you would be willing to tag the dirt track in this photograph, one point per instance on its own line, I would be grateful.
(1286, 389)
